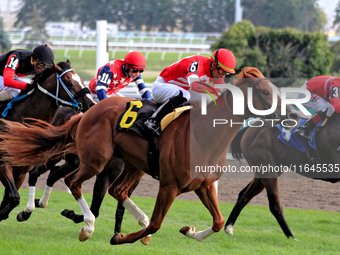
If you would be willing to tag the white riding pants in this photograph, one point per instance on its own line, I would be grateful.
(317, 103)
(14, 92)
(161, 90)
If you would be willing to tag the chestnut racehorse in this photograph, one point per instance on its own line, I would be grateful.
(111, 171)
(57, 86)
(94, 139)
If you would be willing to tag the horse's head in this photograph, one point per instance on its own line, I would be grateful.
(264, 94)
(75, 84)
(64, 84)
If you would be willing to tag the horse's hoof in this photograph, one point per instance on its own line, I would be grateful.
(115, 238)
(82, 236)
(67, 213)
(5, 217)
(229, 229)
(145, 240)
(292, 237)
(36, 202)
(23, 216)
(186, 229)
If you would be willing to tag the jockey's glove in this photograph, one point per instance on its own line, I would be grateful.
(31, 86)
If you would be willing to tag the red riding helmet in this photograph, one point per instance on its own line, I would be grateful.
(135, 59)
(225, 60)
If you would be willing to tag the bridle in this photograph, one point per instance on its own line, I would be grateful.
(263, 102)
(73, 103)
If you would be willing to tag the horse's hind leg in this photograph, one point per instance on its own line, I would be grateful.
(254, 188)
(7, 179)
(209, 198)
(275, 206)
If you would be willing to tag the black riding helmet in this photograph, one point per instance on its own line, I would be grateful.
(44, 54)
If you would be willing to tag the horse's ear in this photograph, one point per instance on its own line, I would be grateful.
(57, 67)
(68, 62)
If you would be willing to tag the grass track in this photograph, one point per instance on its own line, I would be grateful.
(256, 231)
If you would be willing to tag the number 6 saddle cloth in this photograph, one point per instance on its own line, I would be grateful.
(133, 118)
(138, 111)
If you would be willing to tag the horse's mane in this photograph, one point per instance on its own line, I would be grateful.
(64, 65)
(41, 77)
(248, 72)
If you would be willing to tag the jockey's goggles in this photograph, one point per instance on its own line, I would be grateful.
(41, 64)
(136, 70)
(221, 71)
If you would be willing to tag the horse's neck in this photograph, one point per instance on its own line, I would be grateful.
(215, 130)
(38, 106)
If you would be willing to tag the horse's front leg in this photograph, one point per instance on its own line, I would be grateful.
(119, 189)
(7, 179)
(166, 196)
(208, 197)
(31, 203)
(74, 181)
(121, 210)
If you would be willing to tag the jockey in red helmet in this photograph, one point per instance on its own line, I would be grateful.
(117, 74)
(16, 63)
(172, 85)
(135, 60)
(325, 100)
(225, 60)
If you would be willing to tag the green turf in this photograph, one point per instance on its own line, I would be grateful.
(256, 231)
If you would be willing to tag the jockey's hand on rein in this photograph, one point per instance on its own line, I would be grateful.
(31, 86)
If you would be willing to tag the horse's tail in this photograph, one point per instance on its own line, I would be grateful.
(36, 143)
(235, 146)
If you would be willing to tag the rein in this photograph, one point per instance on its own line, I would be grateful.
(263, 102)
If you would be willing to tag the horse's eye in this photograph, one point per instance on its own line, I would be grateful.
(266, 93)
(69, 85)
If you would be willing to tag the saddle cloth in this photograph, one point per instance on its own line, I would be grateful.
(133, 118)
(138, 111)
(288, 137)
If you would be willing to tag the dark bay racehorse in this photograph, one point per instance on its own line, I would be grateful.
(111, 171)
(93, 138)
(261, 146)
(57, 86)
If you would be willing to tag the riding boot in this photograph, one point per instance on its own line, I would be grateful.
(153, 123)
(305, 131)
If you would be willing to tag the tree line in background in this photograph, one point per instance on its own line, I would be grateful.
(174, 15)
(278, 53)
